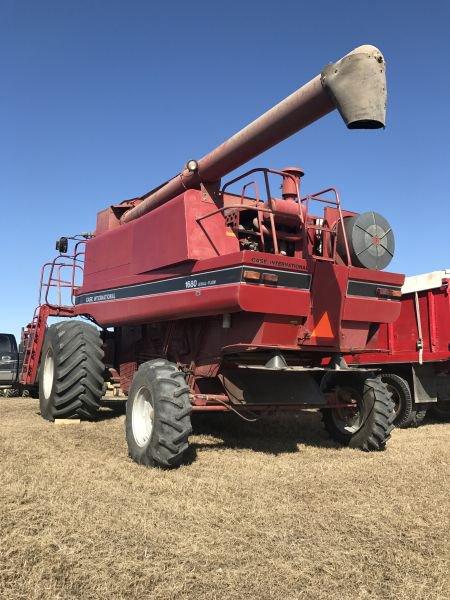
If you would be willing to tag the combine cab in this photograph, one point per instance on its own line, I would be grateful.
(206, 296)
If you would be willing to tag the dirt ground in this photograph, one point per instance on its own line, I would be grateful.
(272, 510)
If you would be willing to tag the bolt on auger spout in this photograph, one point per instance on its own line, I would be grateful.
(355, 85)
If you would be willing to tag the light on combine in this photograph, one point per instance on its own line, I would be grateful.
(62, 245)
(192, 166)
(388, 293)
(252, 276)
(270, 278)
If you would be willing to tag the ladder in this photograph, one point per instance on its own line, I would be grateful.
(51, 279)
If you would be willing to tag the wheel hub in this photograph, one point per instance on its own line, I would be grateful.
(142, 417)
(49, 372)
(348, 419)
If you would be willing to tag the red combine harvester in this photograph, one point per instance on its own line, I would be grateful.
(208, 297)
(413, 353)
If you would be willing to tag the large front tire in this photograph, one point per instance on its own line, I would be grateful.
(369, 419)
(71, 371)
(158, 417)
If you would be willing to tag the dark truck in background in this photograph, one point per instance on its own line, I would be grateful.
(11, 360)
(9, 364)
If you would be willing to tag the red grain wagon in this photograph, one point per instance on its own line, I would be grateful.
(414, 351)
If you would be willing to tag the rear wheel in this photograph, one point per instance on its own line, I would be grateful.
(402, 398)
(366, 423)
(158, 417)
(71, 371)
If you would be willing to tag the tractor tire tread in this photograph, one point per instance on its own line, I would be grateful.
(78, 371)
(378, 425)
(404, 416)
(172, 411)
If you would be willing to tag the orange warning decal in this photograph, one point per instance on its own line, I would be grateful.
(323, 327)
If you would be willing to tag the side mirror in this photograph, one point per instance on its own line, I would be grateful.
(62, 244)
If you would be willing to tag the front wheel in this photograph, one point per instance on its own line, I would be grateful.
(158, 417)
(71, 371)
(366, 416)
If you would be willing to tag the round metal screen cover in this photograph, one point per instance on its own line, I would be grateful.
(371, 240)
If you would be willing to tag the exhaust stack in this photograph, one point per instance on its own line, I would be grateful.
(355, 85)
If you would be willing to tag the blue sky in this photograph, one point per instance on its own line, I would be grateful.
(101, 100)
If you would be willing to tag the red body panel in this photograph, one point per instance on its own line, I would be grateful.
(329, 285)
(163, 239)
(398, 342)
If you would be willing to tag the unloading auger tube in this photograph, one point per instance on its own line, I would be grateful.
(355, 85)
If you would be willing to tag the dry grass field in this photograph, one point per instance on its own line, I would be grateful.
(266, 511)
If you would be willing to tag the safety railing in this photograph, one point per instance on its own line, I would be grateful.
(311, 229)
(326, 232)
(63, 273)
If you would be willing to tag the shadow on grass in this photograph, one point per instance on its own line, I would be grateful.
(109, 409)
(271, 435)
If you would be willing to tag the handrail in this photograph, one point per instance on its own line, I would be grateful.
(51, 275)
(337, 202)
(303, 212)
(266, 171)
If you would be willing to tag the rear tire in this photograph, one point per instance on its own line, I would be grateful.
(402, 398)
(71, 371)
(407, 413)
(368, 425)
(158, 417)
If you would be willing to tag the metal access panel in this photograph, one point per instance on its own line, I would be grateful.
(424, 382)
(261, 385)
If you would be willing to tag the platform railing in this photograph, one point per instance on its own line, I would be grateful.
(307, 222)
(336, 202)
(64, 272)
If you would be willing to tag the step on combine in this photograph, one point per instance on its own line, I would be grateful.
(203, 295)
